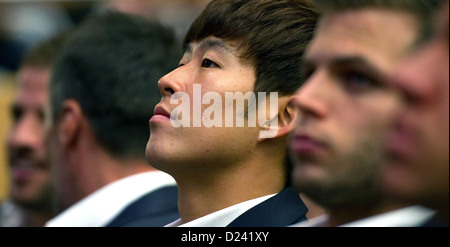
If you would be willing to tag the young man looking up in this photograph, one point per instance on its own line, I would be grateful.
(233, 176)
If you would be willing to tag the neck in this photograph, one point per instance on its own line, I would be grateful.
(94, 168)
(347, 214)
(202, 193)
(108, 169)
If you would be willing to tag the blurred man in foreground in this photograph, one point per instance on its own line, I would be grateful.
(418, 147)
(347, 107)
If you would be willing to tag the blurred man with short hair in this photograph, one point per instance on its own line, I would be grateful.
(346, 108)
(30, 176)
(103, 90)
(418, 167)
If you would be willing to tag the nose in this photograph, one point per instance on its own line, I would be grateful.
(172, 82)
(28, 133)
(310, 98)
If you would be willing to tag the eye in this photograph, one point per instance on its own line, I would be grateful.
(358, 81)
(206, 63)
(17, 113)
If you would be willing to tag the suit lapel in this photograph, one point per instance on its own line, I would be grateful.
(283, 209)
(157, 203)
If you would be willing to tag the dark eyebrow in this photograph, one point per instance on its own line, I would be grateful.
(209, 44)
(340, 62)
(356, 61)
(214, 43)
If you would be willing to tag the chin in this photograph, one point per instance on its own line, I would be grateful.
(153, 157)
(304, 174)
(398, 182)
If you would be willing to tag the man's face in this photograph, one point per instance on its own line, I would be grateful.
(418, 147)
(345, 105)
(211, 65)
(30, 175)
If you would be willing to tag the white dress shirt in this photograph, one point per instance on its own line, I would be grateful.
(223, 217)
(100, 207)
(412, 216)
(10, 214)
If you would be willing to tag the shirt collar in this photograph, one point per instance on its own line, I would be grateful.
(103, 205)
(405, 217)
(222, 217)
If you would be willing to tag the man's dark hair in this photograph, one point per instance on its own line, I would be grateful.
(44, 53)
(422, 9)
(270, 34)
(111, 65)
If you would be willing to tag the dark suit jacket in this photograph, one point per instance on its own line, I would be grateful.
(154, 209)
(284, 209)
(435, 221)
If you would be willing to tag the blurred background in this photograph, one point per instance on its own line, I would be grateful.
(24, 23)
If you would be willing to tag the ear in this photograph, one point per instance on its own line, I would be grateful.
(70, 123)
(287, 115)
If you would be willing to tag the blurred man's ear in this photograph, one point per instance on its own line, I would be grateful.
(70, 122)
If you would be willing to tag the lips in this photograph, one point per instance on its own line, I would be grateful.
(305, 145)
(400, 142)
(160, 115)
(23, 169)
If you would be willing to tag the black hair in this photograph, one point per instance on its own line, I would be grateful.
(111, 65)
(422, 9)
(271, 35)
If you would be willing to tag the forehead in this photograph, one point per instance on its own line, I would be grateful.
(33, 84)
(380, 36)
